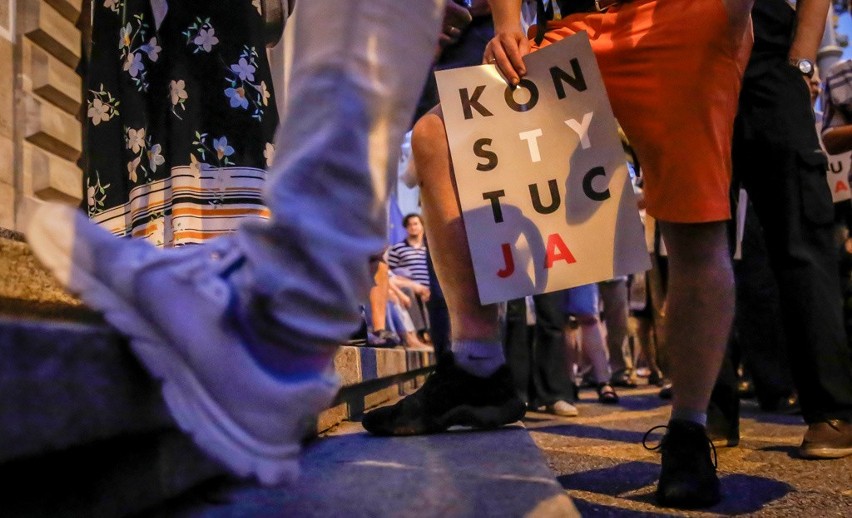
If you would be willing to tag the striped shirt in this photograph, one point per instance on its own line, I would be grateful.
(403, 256)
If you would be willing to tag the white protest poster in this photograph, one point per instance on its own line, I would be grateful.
(542, 179)
(837, 176)
(839, 169)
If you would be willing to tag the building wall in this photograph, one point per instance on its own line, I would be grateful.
(40, 96)
(7, 179)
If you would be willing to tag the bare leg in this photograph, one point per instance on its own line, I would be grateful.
(379, 297)
(657, 300)
(469, 320)
(572, 350)
(478, 364)
(646, 344)
(700, 309)
(592, 342)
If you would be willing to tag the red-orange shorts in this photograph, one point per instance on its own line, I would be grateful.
(673, 71)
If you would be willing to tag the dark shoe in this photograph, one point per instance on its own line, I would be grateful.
(688, 474)
(450, 397)
(606, 394)
(787, 405)
(656, 378)
(666, 391)
(383, 338)
(624, 380)
(587, 382)
(829, 439)
(723, 435)
(745, 389)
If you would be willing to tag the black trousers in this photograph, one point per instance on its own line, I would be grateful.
(537, 355)
(758, 338)
(777, 159)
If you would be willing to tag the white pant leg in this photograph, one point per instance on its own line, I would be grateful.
(358, 70)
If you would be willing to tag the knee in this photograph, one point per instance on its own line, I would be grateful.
(429, 142)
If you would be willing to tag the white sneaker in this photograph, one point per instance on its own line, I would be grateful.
(176, 308)
(563, 409)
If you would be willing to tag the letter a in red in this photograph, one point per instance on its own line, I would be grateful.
(557, 251)
(509, 261)
(841, 186)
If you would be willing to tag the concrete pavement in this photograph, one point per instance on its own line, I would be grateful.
(349, 473)
(598, 458)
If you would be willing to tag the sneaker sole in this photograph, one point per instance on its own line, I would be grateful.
(478, 417)
(486, 418)
(689, 503)
(825, 453)
(195, 412)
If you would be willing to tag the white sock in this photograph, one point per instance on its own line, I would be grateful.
(478, 357)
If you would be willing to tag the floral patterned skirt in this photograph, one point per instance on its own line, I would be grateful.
(180, 120)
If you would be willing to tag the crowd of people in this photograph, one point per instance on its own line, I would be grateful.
(711, 94)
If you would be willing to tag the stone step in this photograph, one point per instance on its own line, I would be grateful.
(81, 419)
(27, 290)
(67, 378)
(64, 384)
(350, 473)
(109, 478)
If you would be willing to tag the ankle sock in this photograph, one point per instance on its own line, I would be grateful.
(692, 416)
(281, 359)
(478, 357)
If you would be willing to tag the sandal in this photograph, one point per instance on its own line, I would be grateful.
(606, 394)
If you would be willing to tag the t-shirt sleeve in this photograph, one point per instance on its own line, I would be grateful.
(838, 97)
(832, 115)
(393, 258)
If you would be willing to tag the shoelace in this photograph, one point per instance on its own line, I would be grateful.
(660, 444)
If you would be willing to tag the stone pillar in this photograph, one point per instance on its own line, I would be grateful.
(40, 96)
(7, 178)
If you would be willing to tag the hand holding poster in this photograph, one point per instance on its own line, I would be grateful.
(542, 179)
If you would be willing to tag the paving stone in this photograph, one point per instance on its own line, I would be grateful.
(111, 478)
(350, 473)
(66, 383)
(63, 384)
(599, 459)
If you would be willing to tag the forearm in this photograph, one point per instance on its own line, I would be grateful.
(837, 140)
(506, 14)
(810, 24)
(401, 282)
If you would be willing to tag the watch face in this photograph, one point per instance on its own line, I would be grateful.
(806, 67)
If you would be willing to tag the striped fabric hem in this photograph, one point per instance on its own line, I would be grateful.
(189, 207)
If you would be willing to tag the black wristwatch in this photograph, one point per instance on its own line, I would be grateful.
(804, 66)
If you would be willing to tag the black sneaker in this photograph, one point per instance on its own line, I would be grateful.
(688, 476)
(450, 397)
